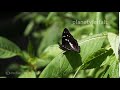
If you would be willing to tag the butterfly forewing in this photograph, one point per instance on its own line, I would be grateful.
(68, 42)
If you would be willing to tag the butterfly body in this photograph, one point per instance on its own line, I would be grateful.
(68, 42)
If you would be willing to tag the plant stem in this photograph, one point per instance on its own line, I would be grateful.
(76, 72)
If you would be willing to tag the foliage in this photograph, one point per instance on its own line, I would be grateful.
(98, 57)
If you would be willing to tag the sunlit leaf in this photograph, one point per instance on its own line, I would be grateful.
(63, 64)
(28, 74)
(91, 45)
(51, 52)
(114, 42)
(8, 49)
(113, 70)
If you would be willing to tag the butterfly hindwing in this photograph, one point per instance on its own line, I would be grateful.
(68, 42)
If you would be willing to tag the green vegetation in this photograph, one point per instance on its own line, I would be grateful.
(97, 36)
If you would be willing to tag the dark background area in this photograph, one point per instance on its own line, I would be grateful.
(14, 32)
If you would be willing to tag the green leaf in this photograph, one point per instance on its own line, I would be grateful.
(111, 19)
(113, 70)
(41, 63)
(50, 16)
(96, 59)
(21, 15)
(29, 28)
(50, 38)
(39, 19)
(64, 64)
(29, 16)
(90, 45)
(28, 74)
(100, 71)
(51, 52)
(30, 49)
(8, 49)
(37, 62)
(114, 42)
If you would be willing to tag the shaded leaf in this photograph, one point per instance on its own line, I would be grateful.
(96, 59)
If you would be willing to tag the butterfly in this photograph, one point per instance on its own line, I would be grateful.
(68, 42)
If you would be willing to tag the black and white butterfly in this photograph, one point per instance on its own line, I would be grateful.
(68, 42)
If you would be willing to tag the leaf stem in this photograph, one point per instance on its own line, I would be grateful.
(76, 72)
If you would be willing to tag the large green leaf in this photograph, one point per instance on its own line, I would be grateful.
(63, 64)
(114, 42)
(91, 45)
(8, 49)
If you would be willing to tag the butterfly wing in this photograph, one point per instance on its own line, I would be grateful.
(68, 42)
